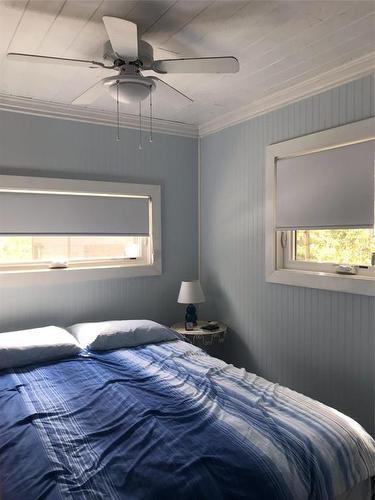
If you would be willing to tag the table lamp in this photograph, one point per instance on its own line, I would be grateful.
(190, 293)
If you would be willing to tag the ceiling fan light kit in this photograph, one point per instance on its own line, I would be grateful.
(129, 56)
(131, 88)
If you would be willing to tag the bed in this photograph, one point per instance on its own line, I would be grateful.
(168, 421)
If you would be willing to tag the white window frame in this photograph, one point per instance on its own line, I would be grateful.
(308, 274)
(99, 270)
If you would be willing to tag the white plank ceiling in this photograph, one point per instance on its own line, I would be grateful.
(278, 43)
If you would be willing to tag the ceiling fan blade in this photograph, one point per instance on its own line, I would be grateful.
(197, 65)
(17, 56)
(123, 36)
(90, 95)
(178, 97)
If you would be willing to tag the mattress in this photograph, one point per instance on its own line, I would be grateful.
(169, 421)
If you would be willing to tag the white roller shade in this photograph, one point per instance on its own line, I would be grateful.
(328, 189)
(46, 213)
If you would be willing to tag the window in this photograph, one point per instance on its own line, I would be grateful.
(334, 246)
(320, 210)
(326, 249)
(33, 252)
(61, 225)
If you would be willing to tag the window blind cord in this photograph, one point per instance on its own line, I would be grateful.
(140, 126)
(118, 110)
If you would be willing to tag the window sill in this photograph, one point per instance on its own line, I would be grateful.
(72, 275)
(362, 285)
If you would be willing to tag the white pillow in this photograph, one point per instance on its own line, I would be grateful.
(107, 335)
(25, 347)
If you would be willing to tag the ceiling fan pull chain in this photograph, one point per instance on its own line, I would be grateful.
(140, 125)
(118, 111)
(150, 139)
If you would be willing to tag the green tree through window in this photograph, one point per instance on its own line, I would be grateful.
(336, 246)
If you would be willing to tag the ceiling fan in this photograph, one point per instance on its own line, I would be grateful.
(129, 56)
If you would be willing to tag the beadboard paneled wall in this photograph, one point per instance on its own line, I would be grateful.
(318, 342)
(47, 147)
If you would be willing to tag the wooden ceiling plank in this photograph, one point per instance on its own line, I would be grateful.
(175, 19)
(146, 13)
(216, 14)
(37, 19)
(311, 74)
(189, 40)
(69, 21)
(268, 87)
(72, 19)
(67, 26)
(11, 14)
(306, 19)
(299, 53)
(247, 24)
(350, 49)
(311, 15)
(251, 65)
(344, 56)
(259, 30)
(338, 43)
(245, 19)
(247, 70)
(308, 36)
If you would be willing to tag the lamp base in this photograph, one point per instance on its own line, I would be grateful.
(191, 316)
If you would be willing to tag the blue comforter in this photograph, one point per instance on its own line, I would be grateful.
(167, 421)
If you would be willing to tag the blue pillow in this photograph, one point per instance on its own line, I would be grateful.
(106, 335)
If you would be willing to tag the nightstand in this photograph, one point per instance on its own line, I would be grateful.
(201, 337)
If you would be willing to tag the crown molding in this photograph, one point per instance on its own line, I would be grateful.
(332, 78)
(37, 107)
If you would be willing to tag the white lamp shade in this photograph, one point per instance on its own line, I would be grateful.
(191, 293)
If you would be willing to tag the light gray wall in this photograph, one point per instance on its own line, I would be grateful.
(318, 342)
(48, 147)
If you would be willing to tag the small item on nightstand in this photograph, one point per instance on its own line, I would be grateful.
(211, 326)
